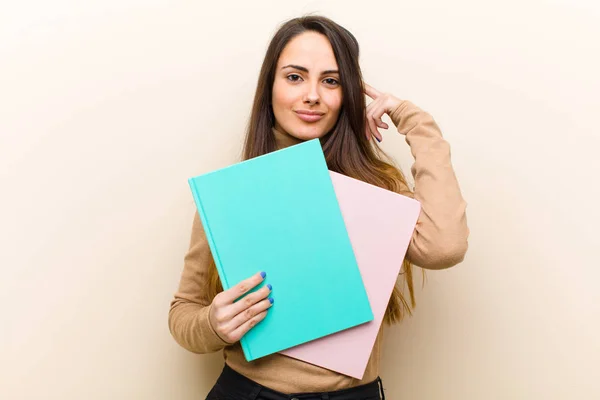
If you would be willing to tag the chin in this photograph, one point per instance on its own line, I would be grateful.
(308, 132)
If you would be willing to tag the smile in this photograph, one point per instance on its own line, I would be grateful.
(309, 116)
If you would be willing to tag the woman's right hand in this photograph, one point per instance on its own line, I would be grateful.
(232, 319)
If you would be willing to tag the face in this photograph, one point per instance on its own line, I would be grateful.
(307, 95)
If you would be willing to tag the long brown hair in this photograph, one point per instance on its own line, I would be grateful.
(346, 148)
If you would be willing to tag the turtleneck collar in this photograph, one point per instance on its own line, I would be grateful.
(284, 140)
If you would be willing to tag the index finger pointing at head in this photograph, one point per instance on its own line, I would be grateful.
(371, 92)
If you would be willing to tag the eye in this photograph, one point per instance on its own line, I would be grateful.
(331, 81)
(294, 77)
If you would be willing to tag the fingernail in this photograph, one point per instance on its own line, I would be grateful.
(377, 139)
(269, 286)
(263, 274)
(271, 300)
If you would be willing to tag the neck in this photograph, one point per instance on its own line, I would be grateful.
(283, 139)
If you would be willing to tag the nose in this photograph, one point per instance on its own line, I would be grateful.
(312, 95)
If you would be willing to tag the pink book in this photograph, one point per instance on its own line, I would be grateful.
(380, 224)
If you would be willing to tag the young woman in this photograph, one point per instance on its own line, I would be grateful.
(310, 86)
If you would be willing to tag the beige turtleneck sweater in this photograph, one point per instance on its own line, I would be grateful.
(439, 241)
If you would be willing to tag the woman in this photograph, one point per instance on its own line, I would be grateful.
(310, 86)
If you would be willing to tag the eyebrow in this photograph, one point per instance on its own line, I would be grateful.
(301, 68)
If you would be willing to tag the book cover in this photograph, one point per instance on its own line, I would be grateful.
(279, 213)
(380, 224)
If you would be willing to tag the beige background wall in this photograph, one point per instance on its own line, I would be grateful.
(106, 108)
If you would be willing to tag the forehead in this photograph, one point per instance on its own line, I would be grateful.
(309, 49)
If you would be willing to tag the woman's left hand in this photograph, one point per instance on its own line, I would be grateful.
(383, 103)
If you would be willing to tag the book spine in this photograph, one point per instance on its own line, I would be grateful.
(215, 253)
(207, 231)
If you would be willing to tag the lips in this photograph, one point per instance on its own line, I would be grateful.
(309, 116)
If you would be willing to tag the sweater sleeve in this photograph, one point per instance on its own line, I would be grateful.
(441, 234)
(189, 320)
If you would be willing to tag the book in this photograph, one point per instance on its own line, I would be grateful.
(279, 213)
(380, 224)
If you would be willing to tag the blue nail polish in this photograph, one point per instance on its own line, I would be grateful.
(269, 286)
(271, 300)
(377, 139)
(263, 274)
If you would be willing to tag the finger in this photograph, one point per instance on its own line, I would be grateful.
(368, 130)
(374, 109)
(246, 326)
(230, 295)
(371, 92)
(376, 113)
(373, 127)
(249, 313)
(249, 300)
(226, 320)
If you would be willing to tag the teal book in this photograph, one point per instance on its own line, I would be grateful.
(279, 213)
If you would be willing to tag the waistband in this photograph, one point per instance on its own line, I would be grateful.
(231, 379)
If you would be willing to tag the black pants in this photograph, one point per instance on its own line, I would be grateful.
(233, 386)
